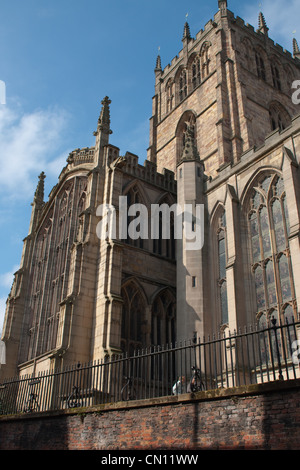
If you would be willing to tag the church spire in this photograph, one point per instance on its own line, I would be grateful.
(262, 25)
(296, 49)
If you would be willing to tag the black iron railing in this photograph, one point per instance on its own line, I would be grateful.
(226, 360)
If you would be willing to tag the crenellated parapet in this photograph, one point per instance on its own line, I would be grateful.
(148, 173)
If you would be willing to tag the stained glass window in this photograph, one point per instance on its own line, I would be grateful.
(260, 289)
(271, 263)
(265, 232)
(222, 268)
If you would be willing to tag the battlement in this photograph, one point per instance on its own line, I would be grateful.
(148, 172)
(84, 155)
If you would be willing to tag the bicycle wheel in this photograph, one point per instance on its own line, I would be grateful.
(128, 393)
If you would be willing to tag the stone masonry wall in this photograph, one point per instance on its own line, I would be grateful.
(265, 416)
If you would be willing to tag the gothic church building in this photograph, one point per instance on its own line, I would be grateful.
(225, 134)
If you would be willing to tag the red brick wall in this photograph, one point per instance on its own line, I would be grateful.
(259, 417)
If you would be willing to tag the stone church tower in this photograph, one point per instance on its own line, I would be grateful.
(224, 135)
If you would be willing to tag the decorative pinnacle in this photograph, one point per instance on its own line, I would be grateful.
(158, 64)
(262, 25)
(39, 193)
(186, 32)
(222, 5)
(296, 49)
(104, 118)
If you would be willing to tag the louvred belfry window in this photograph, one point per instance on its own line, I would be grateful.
(271, 260)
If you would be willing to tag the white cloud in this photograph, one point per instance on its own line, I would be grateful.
(6, 279)
(29, 144)
(282, 19)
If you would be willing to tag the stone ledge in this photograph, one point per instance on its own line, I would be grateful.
(209, 395)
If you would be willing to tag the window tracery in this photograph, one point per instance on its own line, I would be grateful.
(163, 319)
(276, 76)
(222, 260)
(132, 335)
(279, 117)
(260, 66)
(205, 60)
(196, 72)
(182, 85)
(170, 95)
(270, 252)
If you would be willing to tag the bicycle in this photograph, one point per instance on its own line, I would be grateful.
(32, 403)
(128, 391)
(74, 400)
(196, 384)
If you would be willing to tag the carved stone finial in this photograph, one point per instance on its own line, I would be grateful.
(262, 25)
(223, 7)
(296, 50)
(39, 193)
(158, 64)
(186, 32)
(104, 118)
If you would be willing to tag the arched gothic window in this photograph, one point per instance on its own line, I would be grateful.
(222, 260)
(279, 117)
(276, 77)
(163, 319)
(260, 66)
(196, 72)
(165, 246)
(133, 197)
(133, 316)
(270, 252)
(182, 85)
(170, 95)
(205, 60)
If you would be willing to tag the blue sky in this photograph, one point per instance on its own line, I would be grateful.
(59, 59)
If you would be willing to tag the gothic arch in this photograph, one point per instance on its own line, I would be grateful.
(279, 116)
(194, 70)
(266, 211)
(218, 236)
(165, 246)
(133, 325)
(205, 59)
(136, 194)
(136, 184)
(181, 84)
(261, 60)
(247, 53)
(257, 175)
(276, 71)
(170, 95)
(163, 317)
